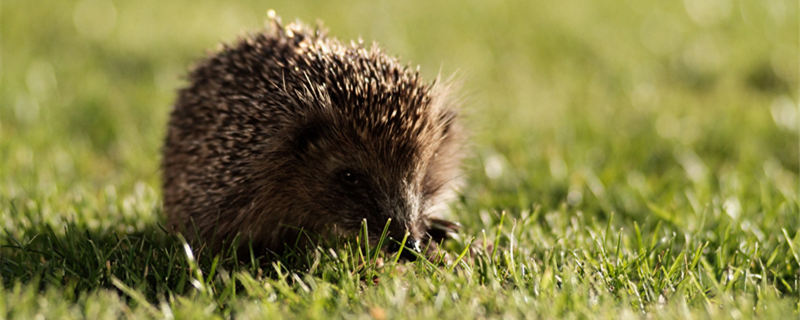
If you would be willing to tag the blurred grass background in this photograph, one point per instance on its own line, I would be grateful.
(678, 114)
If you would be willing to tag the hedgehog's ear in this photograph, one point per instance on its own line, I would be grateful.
(307, 137)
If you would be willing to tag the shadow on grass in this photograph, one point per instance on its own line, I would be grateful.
(151, 261)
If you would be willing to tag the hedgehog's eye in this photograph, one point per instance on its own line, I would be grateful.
(349, 177)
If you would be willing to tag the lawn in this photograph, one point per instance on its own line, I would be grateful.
(628, 159)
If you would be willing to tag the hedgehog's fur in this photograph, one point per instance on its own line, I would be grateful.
(290, 130)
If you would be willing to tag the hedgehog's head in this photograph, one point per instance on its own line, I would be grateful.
(373, 143)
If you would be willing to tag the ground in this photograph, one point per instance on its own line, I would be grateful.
(628, 159)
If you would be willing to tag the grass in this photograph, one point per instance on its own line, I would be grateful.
(629, 159)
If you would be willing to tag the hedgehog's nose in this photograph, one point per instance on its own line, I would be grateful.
(410, 249)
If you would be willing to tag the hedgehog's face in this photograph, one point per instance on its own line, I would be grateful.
(354, 172)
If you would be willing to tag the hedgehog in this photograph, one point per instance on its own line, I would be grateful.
(289, 136)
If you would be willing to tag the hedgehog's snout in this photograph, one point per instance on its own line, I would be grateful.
(400, 231)
(411, 248)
